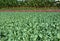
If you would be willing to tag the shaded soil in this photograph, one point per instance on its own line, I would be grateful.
(29, 10)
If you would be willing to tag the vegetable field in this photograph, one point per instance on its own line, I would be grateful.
(29, 26)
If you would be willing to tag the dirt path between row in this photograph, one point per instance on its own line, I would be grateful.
(29, 10)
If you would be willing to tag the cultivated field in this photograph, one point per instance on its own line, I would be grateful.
(29, 26)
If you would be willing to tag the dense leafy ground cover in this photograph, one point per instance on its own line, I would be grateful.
(29, 26)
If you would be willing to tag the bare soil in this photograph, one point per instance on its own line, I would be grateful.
(29, 10)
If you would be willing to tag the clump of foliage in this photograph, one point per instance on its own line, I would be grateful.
(28, 3)
(29, 26)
